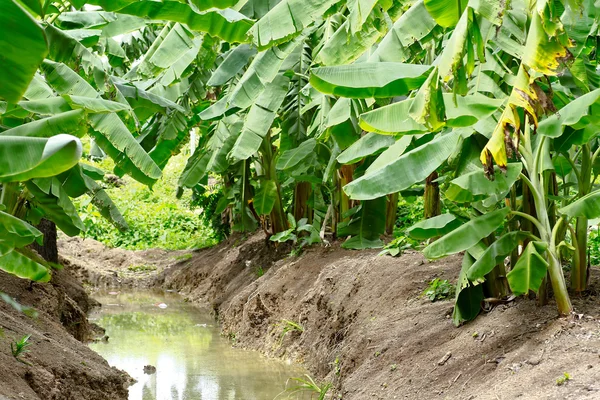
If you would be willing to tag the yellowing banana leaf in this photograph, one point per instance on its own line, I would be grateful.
(475, 186)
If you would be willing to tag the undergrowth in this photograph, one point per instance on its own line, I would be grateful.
(156, 218)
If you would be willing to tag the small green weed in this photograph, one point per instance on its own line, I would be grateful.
(20, 348)
(439, 289)
(289, 326)
(397, 246)
(259, 271)
(183, 257)
(141, 268)
(307, 383)
(563, 379)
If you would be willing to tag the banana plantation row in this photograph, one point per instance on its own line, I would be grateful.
(315, 116)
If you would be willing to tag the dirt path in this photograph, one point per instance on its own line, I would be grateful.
(365, 327)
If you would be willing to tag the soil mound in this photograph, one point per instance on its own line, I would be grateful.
(59, 365)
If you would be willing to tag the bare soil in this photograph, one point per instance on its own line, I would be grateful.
(365, 326)
(59, 365)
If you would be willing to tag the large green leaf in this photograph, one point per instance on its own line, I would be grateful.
(262, 71)
(22, 50)
(495, 254)
(265, 196)
(359, 12)
(573, 114)
(259, 119)
(446, 12)
(366, 226)
(367, 145)
(433, 227)
(72, 122)
(37, 157)
(102, 201)
(588, 206)
(194, 170)
(51, 198)
(290, 158)
(412, 26)
(401, 173)
(467, 235)
(286, 20)
(461, 111)
(468, 296)
(15, 232)
(232, 64)
(530, 270)
(369, 79)
(476, 186)
(17, 264)
(354, 45)
(226, 24)
(390, 154)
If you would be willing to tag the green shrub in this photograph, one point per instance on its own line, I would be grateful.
(156, 218)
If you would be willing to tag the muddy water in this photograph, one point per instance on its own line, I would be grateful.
(193, 361)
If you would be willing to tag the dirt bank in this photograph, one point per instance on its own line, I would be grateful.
(59, 365)
(366, 329)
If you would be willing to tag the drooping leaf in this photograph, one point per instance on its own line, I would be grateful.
(291, 158)
(367, 145)
(50, 197)
(17, 264)
(38, 157)
(530, 270)
(72, 122)
(265, 196)
(468, 296)
(259, 119)
(476, 186)
(467, 235)
(22, 50)
(362, 80)
(366, 226)
(232, 64)
(286, 20)
(433, 227)
(495, 254)
(15, 232)
(588, 206)
(400, 174)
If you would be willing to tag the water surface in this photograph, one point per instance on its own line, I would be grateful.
(193, 361)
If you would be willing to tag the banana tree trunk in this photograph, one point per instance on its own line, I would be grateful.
(432, 196)
(345, 176)
(302, 209)
(579, 272)
(391, 212)
(49, 248)
(277, 216)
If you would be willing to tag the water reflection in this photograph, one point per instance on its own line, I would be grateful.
(192, 360)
